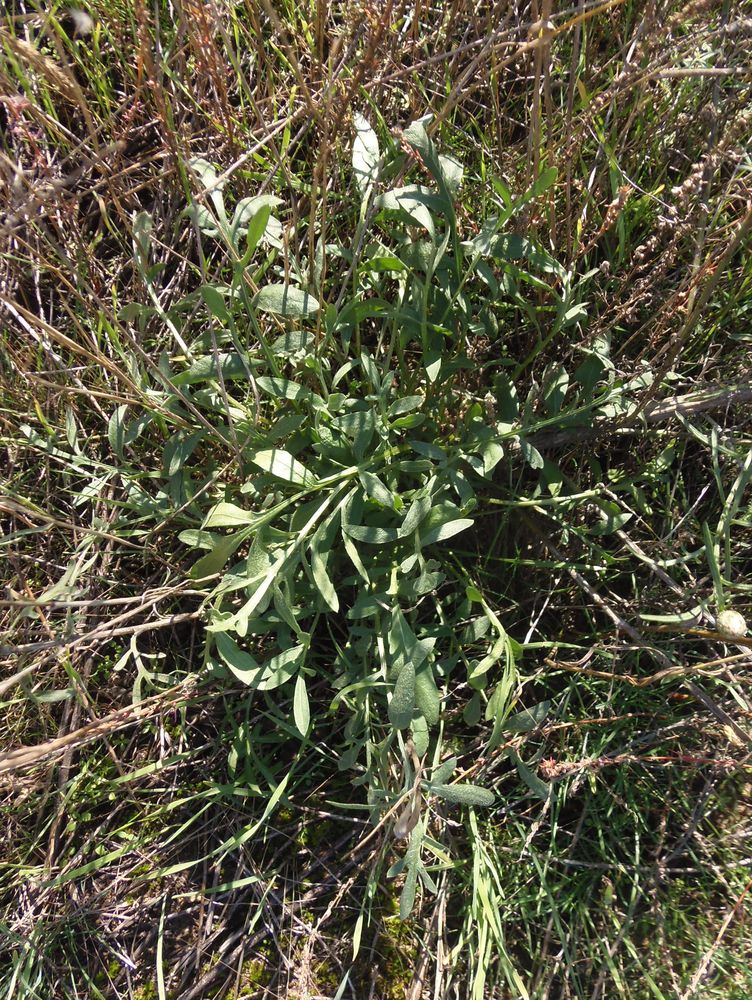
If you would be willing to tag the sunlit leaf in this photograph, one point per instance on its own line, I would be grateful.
(286, 300)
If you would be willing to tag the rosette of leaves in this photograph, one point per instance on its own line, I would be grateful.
(332, 545)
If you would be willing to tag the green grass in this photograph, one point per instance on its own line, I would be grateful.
(374, 400)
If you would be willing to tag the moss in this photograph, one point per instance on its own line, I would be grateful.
(313, 835)
(395, 956)
(256, 974)
(326, 979)
(146, 992)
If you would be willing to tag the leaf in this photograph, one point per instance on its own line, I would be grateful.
(352, 551)
(358, 425)
(215, 303)
(402, 705)
(453, 172)
(228, 515)
(533, 782)
(205, 171)
(215, 559)
(419, 509)
(369, 367)
(300, 708)
(420, 256)
(241, 663)
(371, 535)
(528, 719)
(283, 388)
(376, 489)
(472, 711)
(411, 201)
(447, 530)
(405, 405)
(365, 154)
(444, 771)
(556, 390)
(256, 228)
(492, 657)
(208, 367)
(293, 342)
(492, 453)
(541, 185)
(613, 518)
(286, 300)
(116, 430)
(465, 795)
(204, 219)
(507, 401)
(142, 227)
(532, 456)
(323, 580)
(552, 476)
(433, 361)
(252, 215)
(282, 465)
(427, 696)
(179, 449)
(446, 171)
(404, 643)
(136, 428)
(198, 539)
(419, 730)
(407, 896)
(281, 668)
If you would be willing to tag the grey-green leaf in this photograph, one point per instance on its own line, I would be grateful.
(300, 707)
(228, 515)
(407, 897)
(376, 490)
(528, 719)
(286, 300)
(214, 560)
(371, 534)
(412, 862)
(282, 465)
(323, 580)
(533, 782)
(241, 663)
(402, 705)
(465, 795)
(365, 155)
(116, 430)
(444, 771)
(443, 531)
(427, 696)
(283, 388)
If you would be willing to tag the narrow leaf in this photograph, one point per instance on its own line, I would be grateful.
(214, 560)
(466, 795)
(286, 300)
(323, 580)
(444, 771)
(365, 155)
(427, 696)
(533, 782)
(444, 531)
(528, 719)
(403, 699)
(282, 465)
(300, 707)
(228, 515)
(241, 663)
(116, 430)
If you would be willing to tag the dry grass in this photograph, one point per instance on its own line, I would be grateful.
(136, 862)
